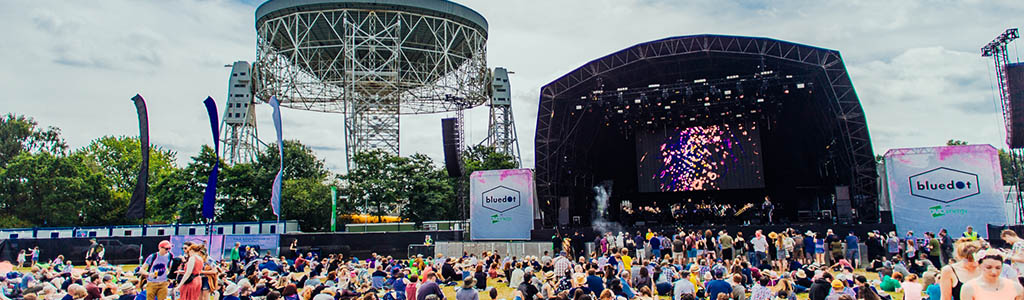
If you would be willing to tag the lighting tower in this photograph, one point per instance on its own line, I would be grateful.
(501, 131)
(238, 124)
(997, 50)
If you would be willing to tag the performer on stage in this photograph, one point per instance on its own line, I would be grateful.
(768, 209)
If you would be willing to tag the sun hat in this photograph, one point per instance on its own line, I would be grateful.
(837, 284)
(468, 283)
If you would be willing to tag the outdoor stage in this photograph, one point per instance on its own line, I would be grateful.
(696, 131)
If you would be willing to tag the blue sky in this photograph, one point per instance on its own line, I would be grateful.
(75, 64)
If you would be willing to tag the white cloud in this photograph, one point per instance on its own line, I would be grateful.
(75, 64)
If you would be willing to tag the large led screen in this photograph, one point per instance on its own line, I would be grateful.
(711, 157)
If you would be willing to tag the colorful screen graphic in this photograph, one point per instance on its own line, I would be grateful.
(712, 157)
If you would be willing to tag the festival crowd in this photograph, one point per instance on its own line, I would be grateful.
(678, 265)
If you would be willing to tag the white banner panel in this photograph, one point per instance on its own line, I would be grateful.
(947, 187)
(501, 204)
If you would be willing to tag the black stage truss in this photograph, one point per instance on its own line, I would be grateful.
(686, 65)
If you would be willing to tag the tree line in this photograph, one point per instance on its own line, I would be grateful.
(45, 183)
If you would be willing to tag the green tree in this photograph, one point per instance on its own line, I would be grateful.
(309, 201)
(178, 193)
(44, 189)
(19, 134)
(119, 158)
(429, 191)
(955, 143)
(375, 182)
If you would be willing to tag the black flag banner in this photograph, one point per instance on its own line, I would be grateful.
(137, 206)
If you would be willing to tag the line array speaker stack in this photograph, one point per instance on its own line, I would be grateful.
(1015, 85)
(452, 151)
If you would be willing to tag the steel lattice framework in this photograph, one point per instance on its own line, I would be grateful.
(553, 136)
(501, 128)
(371, 61)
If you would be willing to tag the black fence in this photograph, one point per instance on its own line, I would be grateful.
(118, 250)
(130, 250)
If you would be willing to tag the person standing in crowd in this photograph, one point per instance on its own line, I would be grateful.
(853, 248)
(954, 275)
(990, 285)
(810, 254)
(947, 246)
(934, 249)
(893, 245)
(760, 244)
(726, 242)
(655, 243)
(910, 248)
(191, 285)
(819, 250)
(678, 248)
(970, 234)
(21, 258)
(35, 255)
(641, 246)
(155, 269)
(235, 255)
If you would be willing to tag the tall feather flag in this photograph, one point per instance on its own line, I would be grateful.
(137, 206)
(275, 191)
(210, 197)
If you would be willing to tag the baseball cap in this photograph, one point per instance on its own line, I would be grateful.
(165, 244)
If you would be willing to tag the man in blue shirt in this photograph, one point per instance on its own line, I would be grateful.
(853, 248)
(718, 286)
(655, 247)
(594, 282)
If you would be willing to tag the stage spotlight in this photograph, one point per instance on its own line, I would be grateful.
(799, 85)
(707, 104)
(579, 107)
(619, 111)
(637, 101)
(759, 100)
(728, 92)
(668, 107)
(785, 92)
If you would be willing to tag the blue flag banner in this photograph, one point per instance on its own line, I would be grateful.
(275, 192)
(210, 197)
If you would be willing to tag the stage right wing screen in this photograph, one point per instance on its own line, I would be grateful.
(711, 157)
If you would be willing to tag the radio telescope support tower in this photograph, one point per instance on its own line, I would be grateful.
(371, 61)
(501, 131)
(238, 125)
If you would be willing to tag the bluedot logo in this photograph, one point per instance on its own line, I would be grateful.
(500, 199)
(944, 185)
(958, 185)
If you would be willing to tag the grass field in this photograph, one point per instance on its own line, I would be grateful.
(505, 292)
